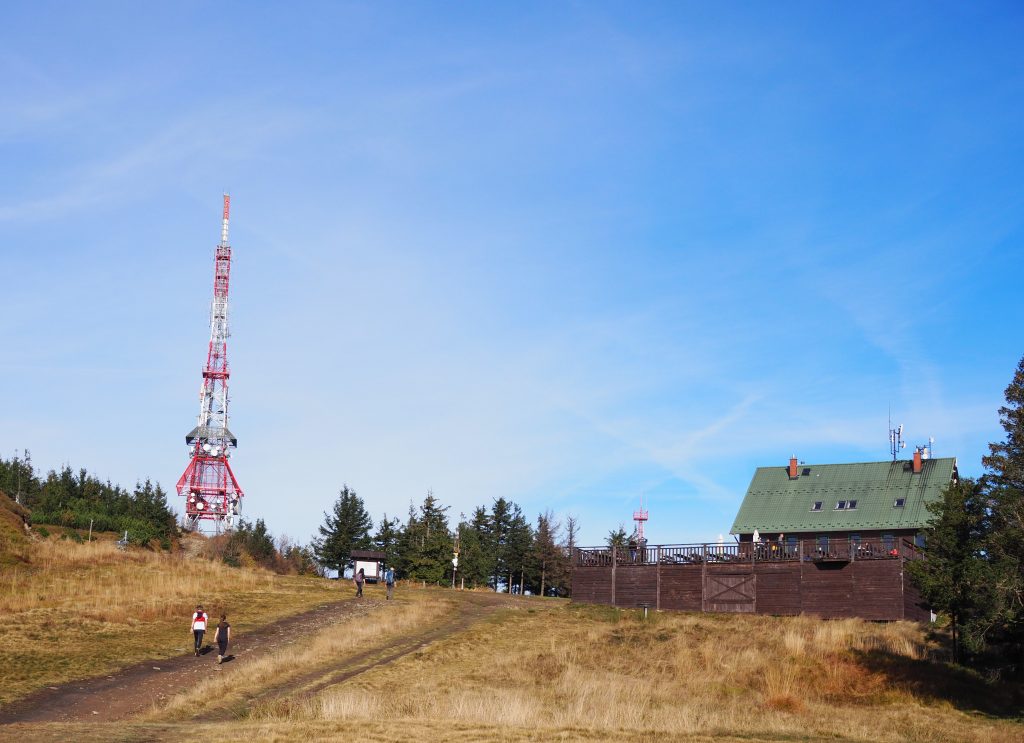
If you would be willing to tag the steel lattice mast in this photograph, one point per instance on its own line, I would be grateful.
(208, 485)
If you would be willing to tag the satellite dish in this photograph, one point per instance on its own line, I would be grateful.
(199, 506)
(215, 452)
(207, 447)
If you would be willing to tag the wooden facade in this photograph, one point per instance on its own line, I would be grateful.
(864, 579)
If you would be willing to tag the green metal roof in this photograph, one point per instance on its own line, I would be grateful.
(775, 503)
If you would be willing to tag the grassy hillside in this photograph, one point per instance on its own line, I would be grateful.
(87, 609)
(447, 665)
(608, 674)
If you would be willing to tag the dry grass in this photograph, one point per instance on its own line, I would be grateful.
(609, 674)
(328, 652)
(542, 670)
(87, 609)
(97, 581)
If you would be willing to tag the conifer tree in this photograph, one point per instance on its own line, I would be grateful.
(473, 559)
(974, 566)
(389, 532)
(427, 542)
(548, 557)
(1004, 484)
(345, 528)
(518, 552)
(499, 529)
(618, 537)
(956, 576)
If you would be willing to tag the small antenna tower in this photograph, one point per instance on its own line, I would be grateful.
(896, 441)
(640, 517)
(926, 449)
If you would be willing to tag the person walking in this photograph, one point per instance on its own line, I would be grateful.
(198, 627)
(359, 579)
(389, 581)
(223, 637)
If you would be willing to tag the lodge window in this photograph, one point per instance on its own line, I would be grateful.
(806, 472)
(919, 540)
(888, 542)
(841, 505)
(898, 503)
(822, 544)
(851, 505)
(816, 506)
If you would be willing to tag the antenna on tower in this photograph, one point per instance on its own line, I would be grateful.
(224, 224)
(896, 441)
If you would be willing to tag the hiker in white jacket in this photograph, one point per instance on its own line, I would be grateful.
(198, 627)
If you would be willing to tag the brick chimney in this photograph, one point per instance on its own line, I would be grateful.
(917, 461)
(792, 468)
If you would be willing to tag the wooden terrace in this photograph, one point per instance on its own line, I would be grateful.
(827, 577)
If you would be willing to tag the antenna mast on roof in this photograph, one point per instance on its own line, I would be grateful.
(926, 449)
(896, 441)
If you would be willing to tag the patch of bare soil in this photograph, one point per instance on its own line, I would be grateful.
(135, 689)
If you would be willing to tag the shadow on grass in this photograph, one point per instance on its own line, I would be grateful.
(965, 689)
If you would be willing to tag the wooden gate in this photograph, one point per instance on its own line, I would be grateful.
(732, 592)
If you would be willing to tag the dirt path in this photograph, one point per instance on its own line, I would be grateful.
(473, 609)
(135, 689)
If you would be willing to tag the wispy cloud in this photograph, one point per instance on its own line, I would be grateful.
(199, 141)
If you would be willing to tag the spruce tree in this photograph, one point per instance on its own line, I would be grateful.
(345, 528)
(974, 566)
(473, 562)
(956, 577)
(1004, 484)
(499, 528)
(519, 549)
(427, 542)
(548, 557)
(389, 532)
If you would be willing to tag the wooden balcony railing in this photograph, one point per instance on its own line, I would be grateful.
(802, 550)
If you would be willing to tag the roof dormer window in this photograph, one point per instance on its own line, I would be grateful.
(899, 502)
(841, 505)
(816, 506)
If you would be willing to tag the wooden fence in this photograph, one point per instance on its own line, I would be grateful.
(862, 578)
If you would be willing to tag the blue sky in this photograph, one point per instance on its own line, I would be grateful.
(571, 254)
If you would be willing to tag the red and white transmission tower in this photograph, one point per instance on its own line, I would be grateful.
(640, 517)
(208, 485)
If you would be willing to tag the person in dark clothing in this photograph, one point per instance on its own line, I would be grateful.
(223, 636)
(359, 579)
(199, 620)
